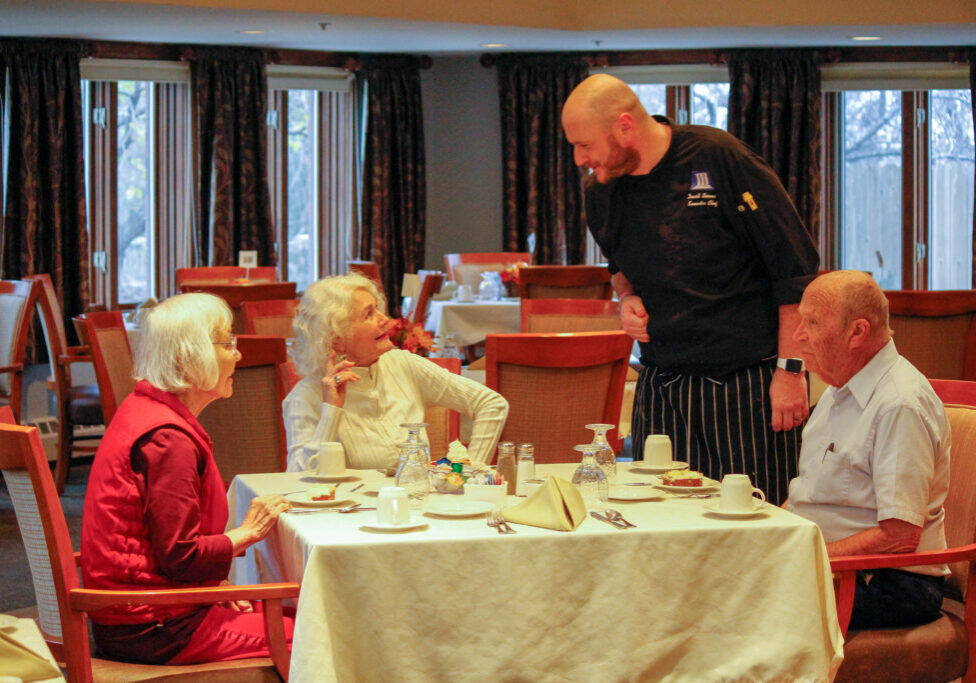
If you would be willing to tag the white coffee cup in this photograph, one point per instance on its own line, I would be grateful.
(657, 450)
(392, 507)
(330, 460)
(738, 494)
(464, 293)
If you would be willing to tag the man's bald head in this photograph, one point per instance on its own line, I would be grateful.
(853, 294)
(602, 98)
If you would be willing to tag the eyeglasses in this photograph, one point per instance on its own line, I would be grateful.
(231, 343)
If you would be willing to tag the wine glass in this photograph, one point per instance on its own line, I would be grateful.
(605, 457)
(591, 480)
(413, 471)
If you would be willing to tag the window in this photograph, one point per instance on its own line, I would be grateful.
(901, 173)
(136, 160)
(312, 159)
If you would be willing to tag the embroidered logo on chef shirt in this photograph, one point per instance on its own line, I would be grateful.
(701, 192)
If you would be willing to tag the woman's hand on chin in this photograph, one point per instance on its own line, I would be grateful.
(338, 371)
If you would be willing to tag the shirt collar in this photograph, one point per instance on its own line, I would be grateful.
(862, 385)
(146, 389)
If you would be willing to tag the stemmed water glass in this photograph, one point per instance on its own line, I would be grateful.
(605, 457)
(591, 480)
(413, 473)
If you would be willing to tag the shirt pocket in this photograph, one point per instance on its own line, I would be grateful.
(832, 483)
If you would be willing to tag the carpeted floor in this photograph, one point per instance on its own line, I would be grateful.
(15, 577)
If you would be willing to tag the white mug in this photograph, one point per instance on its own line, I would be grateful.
(738, 494)
(330, 460)
(657, 450)
(392, 507)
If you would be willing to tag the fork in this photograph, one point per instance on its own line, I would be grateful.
(496, 520)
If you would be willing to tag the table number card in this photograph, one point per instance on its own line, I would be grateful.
(247, 259)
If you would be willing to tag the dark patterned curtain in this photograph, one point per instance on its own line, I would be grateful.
(44, 204)
(394, 196)
(233, 211)
(541, 184)
(774, 107)
(972, 97)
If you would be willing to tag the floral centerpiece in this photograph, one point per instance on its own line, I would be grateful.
(510, 277)
(411, 336)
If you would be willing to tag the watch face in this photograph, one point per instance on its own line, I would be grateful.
(794, 365)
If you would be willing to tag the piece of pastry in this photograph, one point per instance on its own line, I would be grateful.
(682, 478)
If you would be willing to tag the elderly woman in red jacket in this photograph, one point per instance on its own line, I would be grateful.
(155, 511)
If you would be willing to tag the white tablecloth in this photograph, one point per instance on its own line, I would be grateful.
(471, 322)
(685, 596)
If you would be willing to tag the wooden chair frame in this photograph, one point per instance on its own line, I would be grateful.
(13, 365)
(506, 257)
(21, 449)
(567, 307)
(576, 350)
(236, 295)
(110, 394)
(431, 285)
(368, 269)
(532, 278)
(214, 275)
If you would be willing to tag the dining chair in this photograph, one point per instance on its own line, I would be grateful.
(236, 295)
(570, 315)
(443, 424)
(466, 268)
(247, 429)
(556, 384)
(367, 269)
(62, 604)
(16, 312)
(112, 357)
(431, 286)
(565, 282)
(945, 649)
(78, 406)
(272, 317)
(224, 275)
(936, 331)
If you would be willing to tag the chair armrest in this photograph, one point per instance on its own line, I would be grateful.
(845, 570)
(16, 367)
(89, 599)
(75, 354)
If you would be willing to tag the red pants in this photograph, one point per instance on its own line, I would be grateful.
(225, 634)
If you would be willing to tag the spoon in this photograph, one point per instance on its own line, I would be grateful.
(615, 516)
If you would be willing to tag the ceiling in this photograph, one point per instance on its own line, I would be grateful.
(521, 25)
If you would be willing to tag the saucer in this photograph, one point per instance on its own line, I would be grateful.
(347, 476)
(302, 498)
(635, 493)
(712, 507)
(384, 528)
(459, 508)
(642, 468)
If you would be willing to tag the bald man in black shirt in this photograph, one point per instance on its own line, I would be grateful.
(710, 261)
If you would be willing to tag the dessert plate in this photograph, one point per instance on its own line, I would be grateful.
(707, 485)
(712, 507)
(635, 493)
(347, 476)
(459, 508)
(303, 498)
(641, 467)
(384, 528)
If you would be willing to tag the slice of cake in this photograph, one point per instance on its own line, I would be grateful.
(322, 492)
(682, 478)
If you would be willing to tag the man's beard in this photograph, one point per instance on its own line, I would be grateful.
(620, 162)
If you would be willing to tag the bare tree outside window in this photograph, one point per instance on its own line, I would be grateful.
(134, 231)
(302, 176)
(710, 105)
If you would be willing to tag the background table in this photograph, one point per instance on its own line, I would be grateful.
(471, 322)
(685, 596)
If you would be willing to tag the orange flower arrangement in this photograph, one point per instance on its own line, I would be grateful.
(412, 337)
(510, 278)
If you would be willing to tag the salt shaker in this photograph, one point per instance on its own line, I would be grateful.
(526, 467)
(506, 464)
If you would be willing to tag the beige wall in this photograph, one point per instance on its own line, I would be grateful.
(462, 136)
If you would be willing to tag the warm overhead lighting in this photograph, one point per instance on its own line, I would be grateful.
(252, 31)
(491, 45)
(865, 38)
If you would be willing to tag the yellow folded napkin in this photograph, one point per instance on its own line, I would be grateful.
(557, 504)
(17, 660)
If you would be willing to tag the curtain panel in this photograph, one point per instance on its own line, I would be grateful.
(394, 185)
(774, 107)
(541, 186)
(972, 97)
(44, 224)
(233, 204)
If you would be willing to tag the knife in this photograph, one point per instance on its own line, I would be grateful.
(597, 515)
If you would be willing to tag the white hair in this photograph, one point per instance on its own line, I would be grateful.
(176, 351)
(323, 316)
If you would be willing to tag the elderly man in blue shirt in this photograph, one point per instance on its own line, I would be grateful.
(874, 464)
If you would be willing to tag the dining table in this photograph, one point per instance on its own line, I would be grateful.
(689, 594)
(469, 322)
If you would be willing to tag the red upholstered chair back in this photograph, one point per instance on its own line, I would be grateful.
(431, 286)
(565, 282)
(367, 269)
(936, 331)
(272, 317)
(556, 384)
(443, 424)
(570, 315)
(112, 356)
(236, 295)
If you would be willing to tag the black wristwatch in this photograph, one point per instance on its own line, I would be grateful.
(794, 365)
